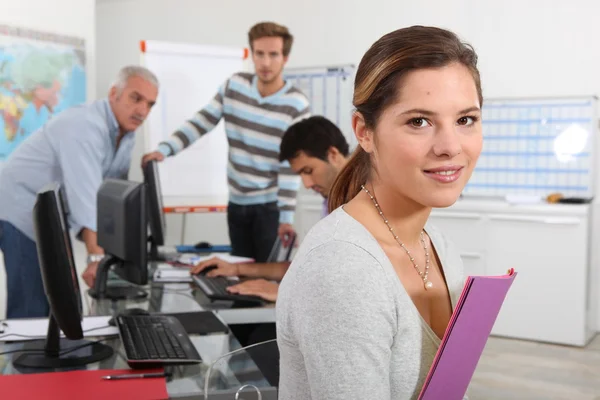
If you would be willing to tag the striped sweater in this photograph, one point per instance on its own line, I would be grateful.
(254, 127)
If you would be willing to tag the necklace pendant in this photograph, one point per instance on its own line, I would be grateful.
(423, 275)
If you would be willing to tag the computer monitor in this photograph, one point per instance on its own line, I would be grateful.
(122, 233)
(61, 286)
(156, 216)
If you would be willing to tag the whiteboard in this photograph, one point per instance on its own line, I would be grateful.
(329, 90)
(189, 76)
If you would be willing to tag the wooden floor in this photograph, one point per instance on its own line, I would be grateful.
(520, 370)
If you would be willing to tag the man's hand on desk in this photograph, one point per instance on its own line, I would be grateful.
(223, 268)
(89, 275)
(155, 155)
(257, 287)
(286, 232)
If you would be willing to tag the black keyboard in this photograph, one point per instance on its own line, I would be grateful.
(216, 289)
(155, 340)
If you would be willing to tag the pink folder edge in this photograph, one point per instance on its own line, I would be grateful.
(468, 282)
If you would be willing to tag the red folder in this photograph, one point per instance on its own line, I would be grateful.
(466, 336)
(87, 384)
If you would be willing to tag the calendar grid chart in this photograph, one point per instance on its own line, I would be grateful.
(329, 90)
(537, 146)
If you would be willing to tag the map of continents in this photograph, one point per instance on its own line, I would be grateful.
(41, 74)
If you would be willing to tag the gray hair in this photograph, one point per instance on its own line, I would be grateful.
(134, 70)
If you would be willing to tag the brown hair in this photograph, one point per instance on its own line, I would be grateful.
(271, 29)
(377, 83)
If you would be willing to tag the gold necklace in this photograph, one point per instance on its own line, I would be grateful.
(424, 275)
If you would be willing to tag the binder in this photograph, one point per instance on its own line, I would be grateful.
(465, 337)
(82, 384)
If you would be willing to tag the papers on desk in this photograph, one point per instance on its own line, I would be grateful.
(194, 259)
(37, 328)
(172, 275)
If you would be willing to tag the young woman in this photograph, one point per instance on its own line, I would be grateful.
(367, 299)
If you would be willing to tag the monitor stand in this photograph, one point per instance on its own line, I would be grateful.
(154, 255)
(101, 290)
(76, 353)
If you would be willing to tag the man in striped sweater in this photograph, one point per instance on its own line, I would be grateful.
(257, 109)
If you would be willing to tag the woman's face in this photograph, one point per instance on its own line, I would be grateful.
(427, 142)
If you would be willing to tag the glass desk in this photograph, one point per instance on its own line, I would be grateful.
(226, 310)
(228, 374)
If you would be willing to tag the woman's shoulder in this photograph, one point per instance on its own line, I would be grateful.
(339, 227)
(339, 235)
(338, 247)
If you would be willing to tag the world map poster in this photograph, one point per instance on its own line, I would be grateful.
(41, 74)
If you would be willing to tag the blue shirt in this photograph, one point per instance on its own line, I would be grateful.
(77, 149)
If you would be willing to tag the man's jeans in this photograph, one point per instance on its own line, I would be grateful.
(26, 297)
(253, 229)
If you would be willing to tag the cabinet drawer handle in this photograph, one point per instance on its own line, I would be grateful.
(543, 220)
(456, 215)
(470, 255)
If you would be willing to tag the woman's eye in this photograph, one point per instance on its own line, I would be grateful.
(466, 121)
(419, 122)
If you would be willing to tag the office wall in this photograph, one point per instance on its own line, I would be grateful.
(526, 48)
(81, 21)
(533, 48)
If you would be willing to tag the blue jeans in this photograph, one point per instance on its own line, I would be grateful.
(253, 229)
(26, 297)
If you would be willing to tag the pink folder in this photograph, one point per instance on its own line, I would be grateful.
(466, 336)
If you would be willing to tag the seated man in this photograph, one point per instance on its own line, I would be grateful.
(317, 150)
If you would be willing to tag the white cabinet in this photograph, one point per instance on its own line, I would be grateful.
(547, 299)
(548, 245)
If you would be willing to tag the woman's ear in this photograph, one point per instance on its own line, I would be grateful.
(364, 135)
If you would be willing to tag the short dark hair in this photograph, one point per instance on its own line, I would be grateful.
(314, 136)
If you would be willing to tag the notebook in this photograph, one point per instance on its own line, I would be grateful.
(22, 329)
(466, 336)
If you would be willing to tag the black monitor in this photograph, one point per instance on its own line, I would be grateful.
(122, 233)
(59, 277)
(156, 216)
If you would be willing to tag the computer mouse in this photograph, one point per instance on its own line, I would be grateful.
(203, 245)
(208, 269)
(129, 311)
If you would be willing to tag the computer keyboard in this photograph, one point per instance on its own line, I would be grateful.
(155, 340)
(216, 289)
